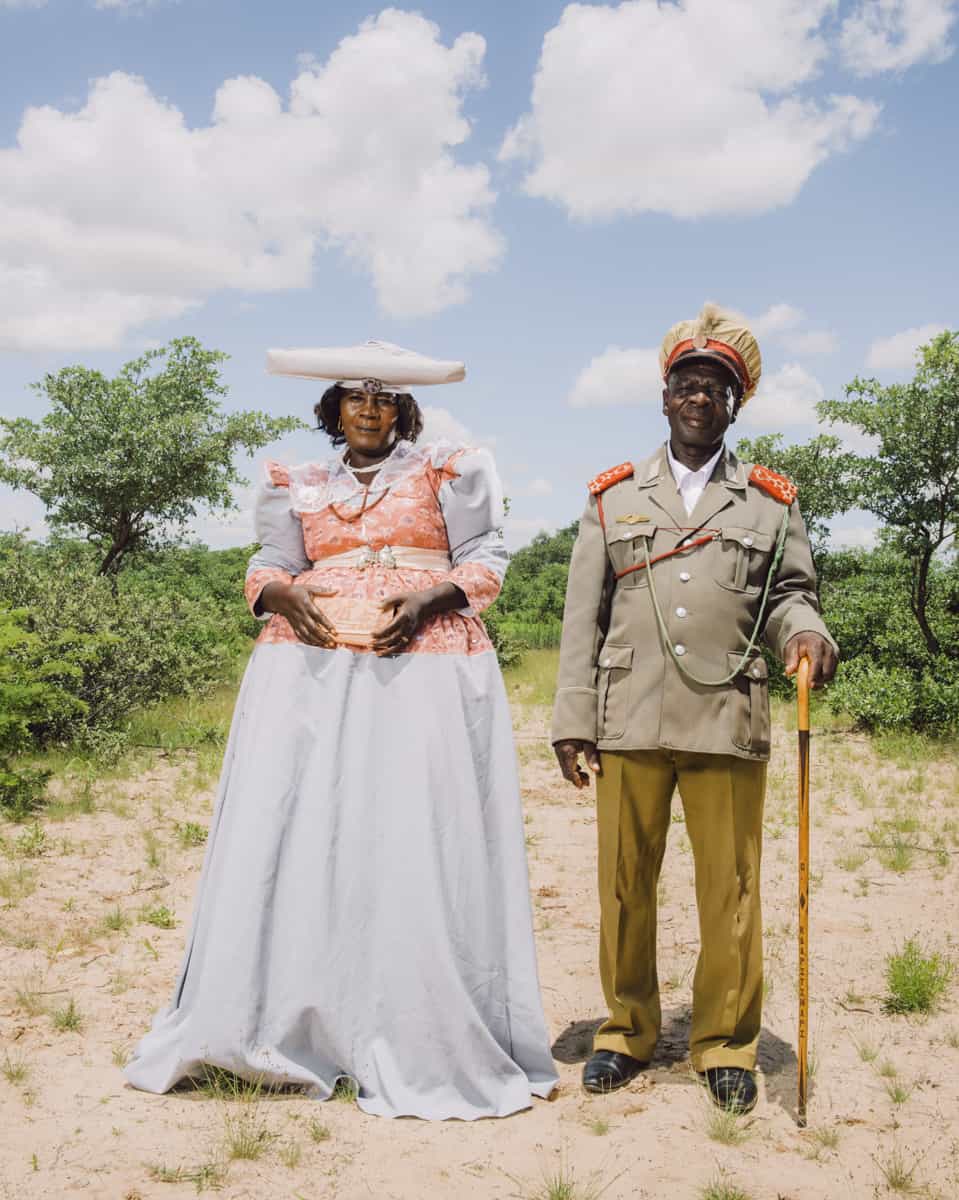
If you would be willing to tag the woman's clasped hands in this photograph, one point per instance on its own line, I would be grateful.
(297, 603)
(409, 609)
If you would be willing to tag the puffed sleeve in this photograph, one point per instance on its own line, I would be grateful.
(282, 554)
(471, 499)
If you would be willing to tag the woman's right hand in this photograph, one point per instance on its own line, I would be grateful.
(297, 605)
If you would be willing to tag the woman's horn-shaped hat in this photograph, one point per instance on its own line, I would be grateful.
(373, 366)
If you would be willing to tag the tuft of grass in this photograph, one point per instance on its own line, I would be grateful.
(899, 1175)
(245, 1134)
(892, 847)
(68, 1019)
(290, 1154)
(952, 1038)
(17, 884)
(346, 1090)
(116, 921)
(725, 1127)
(888, 1070)
(559, 1182)
(916, 981)
(120, 1056)
(158, 915)
(851, 861)
(152, 849)
(32, 842)
(898, 1092)
(14, 1070)
(868, 1051)
(318, 1131)
(721, 1189)
(28, 996)
(599, 1126)
(210, 1175)
(821, 1139)
(190, 834)
(216, 1083)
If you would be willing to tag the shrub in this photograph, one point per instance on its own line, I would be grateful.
(174, 626)
(876, 696)
(27, 696)
(915, 980)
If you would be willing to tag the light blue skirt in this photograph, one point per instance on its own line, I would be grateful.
(364, 904)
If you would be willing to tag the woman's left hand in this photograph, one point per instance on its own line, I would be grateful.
(409, 608)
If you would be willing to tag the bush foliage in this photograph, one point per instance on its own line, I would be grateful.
(81, 651)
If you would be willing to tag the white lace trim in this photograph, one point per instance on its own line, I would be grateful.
(315, 486)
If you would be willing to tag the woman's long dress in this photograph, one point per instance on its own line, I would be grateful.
(364, 907)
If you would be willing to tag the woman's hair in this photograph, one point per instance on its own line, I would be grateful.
(409, 420)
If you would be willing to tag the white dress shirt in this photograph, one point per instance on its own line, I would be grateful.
(691, 484)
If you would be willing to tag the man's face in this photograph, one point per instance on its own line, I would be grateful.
(695, 402)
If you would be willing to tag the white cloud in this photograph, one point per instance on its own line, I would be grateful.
(618, 377)
(518, 531)
(689, 109)
(898, 352)
(854, 537)
(783, 323)
(120, 213)
(891, 35)
(21, 510)
(22, 3)
(814, 341)
(539, 487)
(786, 398)
(219, 531)
(439, 425)
(780, 318)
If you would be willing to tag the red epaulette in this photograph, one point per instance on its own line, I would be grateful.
(778, 486)
(606, 479)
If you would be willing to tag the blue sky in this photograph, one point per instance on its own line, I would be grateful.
(540, 190)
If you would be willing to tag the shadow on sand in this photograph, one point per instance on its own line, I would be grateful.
(777, 1058)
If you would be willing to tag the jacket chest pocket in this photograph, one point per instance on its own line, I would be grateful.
(615, 672)
(749, 704)
(627, 553)
(744, 559)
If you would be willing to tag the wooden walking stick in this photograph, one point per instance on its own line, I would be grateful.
(802, 696)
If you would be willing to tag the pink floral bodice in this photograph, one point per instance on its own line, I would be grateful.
(408, 514)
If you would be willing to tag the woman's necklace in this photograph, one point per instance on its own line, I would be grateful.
(365, 507)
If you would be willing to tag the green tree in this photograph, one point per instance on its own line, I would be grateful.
(26, 695)
(821, 469)
(127, 462)
(911, 481)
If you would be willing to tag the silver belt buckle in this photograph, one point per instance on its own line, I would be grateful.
(376, 558)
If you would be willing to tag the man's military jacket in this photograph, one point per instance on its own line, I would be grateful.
(618, 684)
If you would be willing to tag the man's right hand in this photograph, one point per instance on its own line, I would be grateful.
(305, 617)
(567, 754)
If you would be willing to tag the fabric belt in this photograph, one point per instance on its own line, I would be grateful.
(409, 557)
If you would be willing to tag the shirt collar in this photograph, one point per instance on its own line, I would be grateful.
(681, 472)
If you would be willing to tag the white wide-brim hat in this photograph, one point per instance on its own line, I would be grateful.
(380, 363)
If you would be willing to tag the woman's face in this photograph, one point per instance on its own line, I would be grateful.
(369, 421)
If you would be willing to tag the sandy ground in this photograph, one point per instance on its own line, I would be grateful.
(77, 947)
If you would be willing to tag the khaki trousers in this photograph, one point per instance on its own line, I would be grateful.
(723, 802)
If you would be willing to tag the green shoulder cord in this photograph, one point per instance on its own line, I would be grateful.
(664, 632)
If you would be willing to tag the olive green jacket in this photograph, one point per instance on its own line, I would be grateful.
(618, 685)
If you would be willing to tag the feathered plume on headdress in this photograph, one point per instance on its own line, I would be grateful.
(717, 333)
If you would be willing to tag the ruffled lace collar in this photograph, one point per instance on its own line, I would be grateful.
(315, 486)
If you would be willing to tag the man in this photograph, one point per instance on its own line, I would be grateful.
(683, 564)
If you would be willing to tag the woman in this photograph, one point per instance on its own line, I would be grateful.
(364, 908)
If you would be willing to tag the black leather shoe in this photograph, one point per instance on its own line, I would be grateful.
(608, 1070)
(732, 1088)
